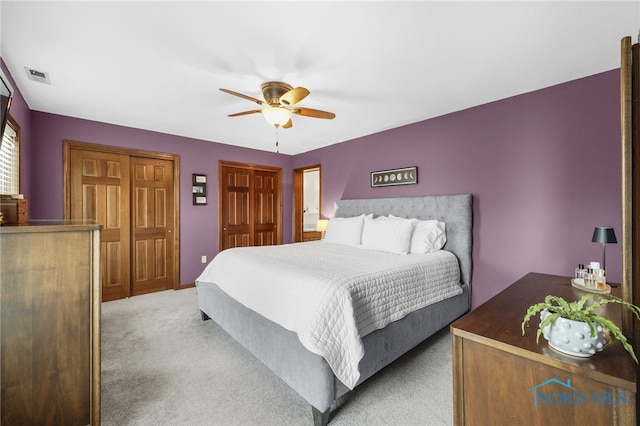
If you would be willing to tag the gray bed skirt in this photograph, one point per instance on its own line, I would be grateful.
(307, 373)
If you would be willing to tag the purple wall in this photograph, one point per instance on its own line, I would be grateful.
(544, 169)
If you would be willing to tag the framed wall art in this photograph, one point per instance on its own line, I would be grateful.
(199, 189)
(404, 176)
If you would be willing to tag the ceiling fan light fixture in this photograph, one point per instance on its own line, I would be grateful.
(276, 116)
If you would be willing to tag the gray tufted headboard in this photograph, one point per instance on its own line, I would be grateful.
(454, 210)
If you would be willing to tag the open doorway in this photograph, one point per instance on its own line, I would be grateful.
(307, 196)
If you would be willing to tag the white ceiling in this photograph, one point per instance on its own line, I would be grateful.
(376, 65)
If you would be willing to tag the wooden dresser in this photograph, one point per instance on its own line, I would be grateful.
(50, 323)
(503, 378)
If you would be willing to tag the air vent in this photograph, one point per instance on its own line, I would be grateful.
(39, 76)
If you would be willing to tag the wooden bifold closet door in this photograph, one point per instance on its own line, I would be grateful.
(135, 198)
(152, 217)
(250, 210)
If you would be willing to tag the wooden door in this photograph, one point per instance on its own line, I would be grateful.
(134, 195)
(266, 198)
(630, 159)
(235, 229)
(630, 147)
(99, 190)
(299, 203)
(249, 205)
(152, 227)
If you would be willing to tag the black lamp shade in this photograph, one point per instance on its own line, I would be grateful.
(604, 235)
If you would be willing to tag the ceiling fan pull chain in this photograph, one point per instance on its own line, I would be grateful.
(277, 140)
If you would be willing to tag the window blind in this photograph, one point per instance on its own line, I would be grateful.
(9, 162)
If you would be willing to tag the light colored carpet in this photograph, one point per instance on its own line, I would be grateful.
(163, 365)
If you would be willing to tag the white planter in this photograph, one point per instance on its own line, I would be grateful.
(573, 337)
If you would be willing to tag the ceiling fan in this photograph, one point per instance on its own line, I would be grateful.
(279, 100)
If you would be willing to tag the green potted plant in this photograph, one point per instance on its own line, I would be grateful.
(575, 328)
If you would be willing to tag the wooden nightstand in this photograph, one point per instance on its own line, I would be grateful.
(311, 236)
(503, 378)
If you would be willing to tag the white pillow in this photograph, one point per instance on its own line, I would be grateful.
(392, 236)
(428, 236)
(344, 230)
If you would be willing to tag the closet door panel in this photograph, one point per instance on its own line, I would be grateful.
(152, 180)
(235, 210)
(266, 195)
(99, 188)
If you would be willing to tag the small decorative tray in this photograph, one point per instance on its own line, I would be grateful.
(579, 284)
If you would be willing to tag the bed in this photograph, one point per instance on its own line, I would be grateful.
(321, 379)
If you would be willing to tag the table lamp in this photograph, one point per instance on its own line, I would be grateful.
(604, 235)
(321, 226)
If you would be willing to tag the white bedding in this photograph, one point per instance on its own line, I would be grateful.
(331, 295)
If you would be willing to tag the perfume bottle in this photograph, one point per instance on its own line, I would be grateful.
(579, 274)
(588, 279)
(600, 281)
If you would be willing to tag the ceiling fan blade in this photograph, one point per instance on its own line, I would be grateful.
(316, 113)
(240, 95)
(253, 111)
(294, 96)
(288, 124)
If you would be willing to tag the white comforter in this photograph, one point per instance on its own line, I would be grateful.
(332, 295)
